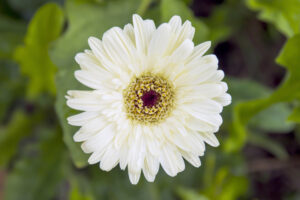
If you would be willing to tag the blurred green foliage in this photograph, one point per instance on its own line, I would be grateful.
(285, 14)
(44, 27)
(38, 154)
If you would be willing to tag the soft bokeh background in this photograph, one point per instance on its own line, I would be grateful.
(258, 45)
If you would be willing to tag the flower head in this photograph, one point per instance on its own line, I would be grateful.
(155, 98)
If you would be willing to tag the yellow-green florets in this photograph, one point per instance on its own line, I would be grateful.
(148, 99)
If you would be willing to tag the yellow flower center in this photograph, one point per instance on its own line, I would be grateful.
(148, 99)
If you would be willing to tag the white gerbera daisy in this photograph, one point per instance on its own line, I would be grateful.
(155, 98)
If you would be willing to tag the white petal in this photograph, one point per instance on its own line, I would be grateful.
(186, 31)
(200, 62)
(96, 157)
(151, 164)
(96, 46)
(134, 177)
(175, 23)
(99, 141)
(191, 158)
(205, 106)
(149, 177)
(90, 63)
(183, 51)
(198, 125)
(121, 138)
(159, 41)
(118, 46)
(213, 119)
(225, 99)
(171, 161)
(196, 143)
(91, 102)
(206, 90)
(216, 77)
(89, 79)
(82, 118)
(199, 51)
(210, 139)
(110, 158)
(98, 49)
(153, 144)
(137, 151)
(150, 28)
(128, 30)
(140, 33)
(90, 128)
(175, 137)
(123, 156)
(199, 71)
(225, 86)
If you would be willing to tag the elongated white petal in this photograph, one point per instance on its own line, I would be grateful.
(171, 160)
(225, 99)
(199, 51)
(110, 158)
(140, 33)
(134, 177)
(183, 51)
(82, 118)
(191, 158)
(175, 23)
(159, 41)
(117, 46)
(210, 139)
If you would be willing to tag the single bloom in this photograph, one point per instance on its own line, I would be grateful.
(154, 99)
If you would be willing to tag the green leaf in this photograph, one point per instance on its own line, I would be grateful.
(178, 7)
(287, 92)
(254, 89)
(269, 120)
(295, 115)
(284, 14)
(40, 170)
(226, 186)
(33, 57)
(273, 119)
(143, 7)
(234, 188)
(20, 126)
(97, 19)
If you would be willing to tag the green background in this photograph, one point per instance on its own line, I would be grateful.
(258, 45)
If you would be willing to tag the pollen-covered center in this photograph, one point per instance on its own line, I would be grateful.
(148, 99)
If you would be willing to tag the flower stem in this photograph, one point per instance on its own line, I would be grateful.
(143, 7)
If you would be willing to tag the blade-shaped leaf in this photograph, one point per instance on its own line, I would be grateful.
(33, 56)
(284, 14)
(288, 91)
